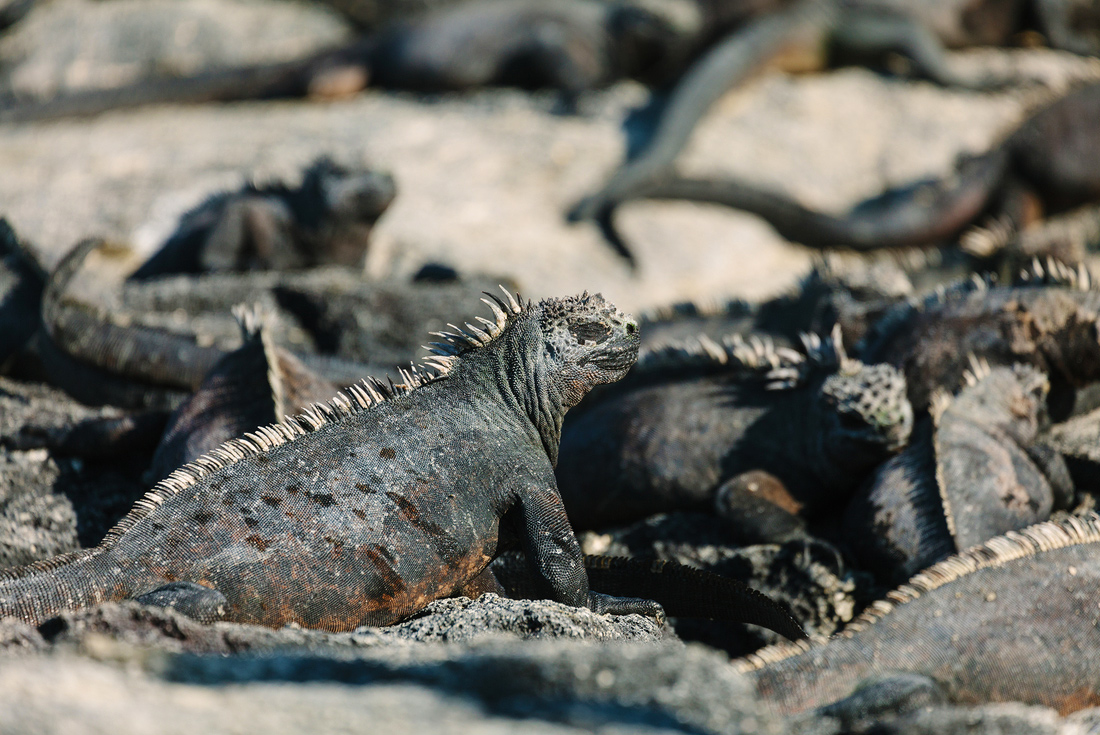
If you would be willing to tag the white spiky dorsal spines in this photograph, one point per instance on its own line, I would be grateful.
(369, 392)
(255, 322)
(782, 368)
(1053, 272)
(996, 552)
(454, 343)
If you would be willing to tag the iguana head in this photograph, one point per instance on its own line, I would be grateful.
(337, 206)
(864, 414)
(587, 341)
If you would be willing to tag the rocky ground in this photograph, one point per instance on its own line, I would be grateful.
(483, 181)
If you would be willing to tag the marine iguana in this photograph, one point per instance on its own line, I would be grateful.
(692, 415)
(326, 220)
(850, 292)
(567, 45)
(257, 384)
(99, 356)
(973, 470)
(1013, 619)
(1047, 165)
(1049, 319)
(21, 282)
(363, 510)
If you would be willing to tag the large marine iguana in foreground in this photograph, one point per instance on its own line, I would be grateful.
(364, 510)
(1015, 619)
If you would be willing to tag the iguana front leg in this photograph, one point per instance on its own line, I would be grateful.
(555, 557)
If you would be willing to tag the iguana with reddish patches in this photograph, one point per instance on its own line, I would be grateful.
(1015, 619)
(364, 510)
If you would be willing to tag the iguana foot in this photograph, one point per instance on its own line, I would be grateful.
(607, 604)
(891, 693)
(200, 603)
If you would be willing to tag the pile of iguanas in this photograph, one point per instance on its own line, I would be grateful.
(922, 454)
(891, 466)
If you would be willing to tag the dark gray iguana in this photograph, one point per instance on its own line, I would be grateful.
(1050, 319)
(1046, 166)
(97, 355)
(364, 510)
(851, 292)
(1016, 619)
(21, 282)
(973, 470)
(325, 220)
(260, 383)
(257, 384)
(690, 416)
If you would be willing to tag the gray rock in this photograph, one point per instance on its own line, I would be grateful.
(51, 504)
(463, 620)
(458, 620)
(69, 45)
(809, 576)
(582, 683)
(1087, 721)
(990, 719)
(73, 695)
(35, 522)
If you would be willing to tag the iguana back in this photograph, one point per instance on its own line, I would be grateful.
(364, 510)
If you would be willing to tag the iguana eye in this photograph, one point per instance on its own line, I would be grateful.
(589, 331)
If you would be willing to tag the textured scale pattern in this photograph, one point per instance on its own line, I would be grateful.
(364, 509)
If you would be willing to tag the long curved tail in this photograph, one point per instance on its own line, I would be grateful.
(36, 592)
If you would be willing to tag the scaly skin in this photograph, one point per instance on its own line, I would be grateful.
(693, 416)
(257, 384)
(968, 475)
(1012, 620)
(362, 512)
(1051, 325)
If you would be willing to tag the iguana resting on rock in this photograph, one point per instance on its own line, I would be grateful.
(256, 385)
(568, 45)
(366, 509)
(86, 337)
(1048, 320)
(260, 383)
(326, 220)
(1048, 165)
(973, 470)
(846, 291)
(690, 416)
(1013, 619)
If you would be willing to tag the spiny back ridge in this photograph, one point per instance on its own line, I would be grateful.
(996, 552)
(370, 392)
(754, 357)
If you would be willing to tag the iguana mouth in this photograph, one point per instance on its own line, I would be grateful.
(617, 357)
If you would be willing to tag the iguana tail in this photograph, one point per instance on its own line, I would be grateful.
(36, 592)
